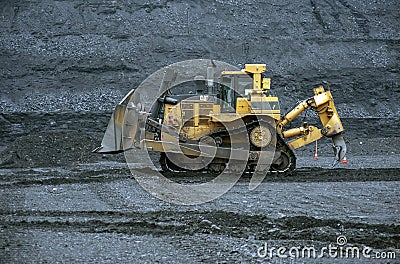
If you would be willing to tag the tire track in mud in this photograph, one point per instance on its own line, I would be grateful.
(54, 178)
(171, 223)
(110, 175)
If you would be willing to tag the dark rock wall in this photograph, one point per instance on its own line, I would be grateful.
(86, 55)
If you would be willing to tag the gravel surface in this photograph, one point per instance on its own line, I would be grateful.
(92, 214)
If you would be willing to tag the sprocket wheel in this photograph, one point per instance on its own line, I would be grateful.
(260, 136)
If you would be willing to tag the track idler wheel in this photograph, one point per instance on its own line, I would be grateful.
(282, 163)
(167, 165)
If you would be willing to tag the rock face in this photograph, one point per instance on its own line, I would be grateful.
(86, 55)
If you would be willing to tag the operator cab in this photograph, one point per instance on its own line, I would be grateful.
(246, 92)
(232, 87)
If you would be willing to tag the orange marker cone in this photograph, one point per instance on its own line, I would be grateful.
(316, 150)
(344, 161)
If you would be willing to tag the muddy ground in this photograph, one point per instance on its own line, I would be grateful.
(64, 66)
(98, 213)
(61, 203)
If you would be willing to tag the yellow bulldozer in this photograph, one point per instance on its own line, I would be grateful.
(233, 117)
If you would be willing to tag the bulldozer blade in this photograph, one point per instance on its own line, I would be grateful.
(126, 126)
(114, 140)
(111, 142)
(339, 147)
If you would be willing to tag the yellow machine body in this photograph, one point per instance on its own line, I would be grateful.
(244, 96)
(199, 118)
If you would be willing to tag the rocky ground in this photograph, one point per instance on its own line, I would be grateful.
(64, 66)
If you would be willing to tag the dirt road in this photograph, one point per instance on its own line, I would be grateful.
(98, 212)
